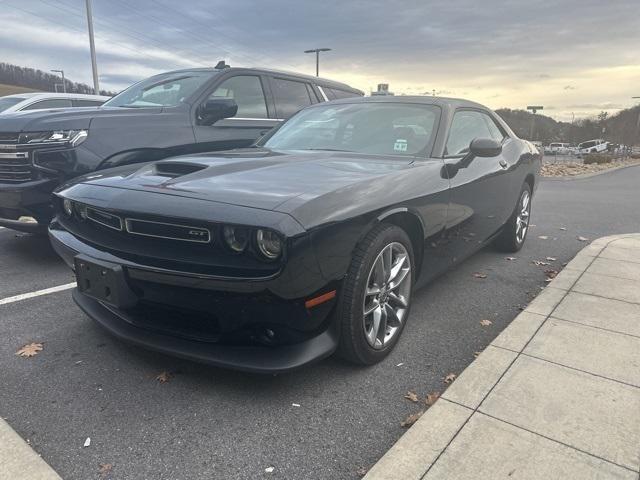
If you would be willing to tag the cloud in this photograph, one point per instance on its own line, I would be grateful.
(505, 54)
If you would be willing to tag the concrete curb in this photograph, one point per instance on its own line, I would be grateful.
(537, 401)
(18, 461)
(588, 175)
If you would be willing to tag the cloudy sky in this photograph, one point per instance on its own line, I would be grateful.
(575, 57)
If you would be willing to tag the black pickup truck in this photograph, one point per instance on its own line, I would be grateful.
(174, 113)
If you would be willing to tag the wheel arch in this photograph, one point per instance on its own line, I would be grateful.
(413, 225)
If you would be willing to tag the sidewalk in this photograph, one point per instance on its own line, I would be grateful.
(18, 461)
(555, 396)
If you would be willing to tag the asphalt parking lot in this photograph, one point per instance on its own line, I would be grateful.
(207, 423)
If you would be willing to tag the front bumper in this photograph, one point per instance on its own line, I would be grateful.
(257, 359)
(217, 322)
(28, 199)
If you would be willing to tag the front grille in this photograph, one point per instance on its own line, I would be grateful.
(169, 231)
(15, 166)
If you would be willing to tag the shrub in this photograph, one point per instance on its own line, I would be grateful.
(598, 158)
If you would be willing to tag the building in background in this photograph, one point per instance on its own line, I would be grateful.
(383, 89)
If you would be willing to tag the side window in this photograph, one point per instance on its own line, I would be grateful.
(247, 91)
(290, 96)
(342, 93)
(496, 132)
(87, 103)
(44, 104)
(466, 125)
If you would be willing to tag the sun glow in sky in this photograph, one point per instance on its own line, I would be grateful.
(575, 57)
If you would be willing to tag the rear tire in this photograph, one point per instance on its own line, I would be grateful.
(375, 298)
(514, 233)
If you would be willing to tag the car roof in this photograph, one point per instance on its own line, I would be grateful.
(317, 80)
(78, 96)
(427, 100)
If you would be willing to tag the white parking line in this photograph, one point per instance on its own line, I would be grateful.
(37, 293)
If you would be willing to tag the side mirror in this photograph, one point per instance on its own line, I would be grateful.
(485, 147)
(216, 109)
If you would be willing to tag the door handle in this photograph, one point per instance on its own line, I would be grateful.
(503, 163)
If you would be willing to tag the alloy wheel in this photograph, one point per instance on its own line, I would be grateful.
(387, 295)
(522, 219)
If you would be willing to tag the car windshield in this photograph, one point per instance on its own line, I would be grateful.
(166, 90)
(8, 102)
(368, 128)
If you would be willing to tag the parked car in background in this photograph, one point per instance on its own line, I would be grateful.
(184, 111)
(267, 258)
(558, 148)
(592, 146)
(46, 100)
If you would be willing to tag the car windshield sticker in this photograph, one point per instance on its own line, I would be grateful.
(400, 145)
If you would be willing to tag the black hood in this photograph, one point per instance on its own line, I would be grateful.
(66, 118)
(257, 178)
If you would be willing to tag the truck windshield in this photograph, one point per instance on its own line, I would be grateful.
(9, 102)
(166, 90)
(368, 128)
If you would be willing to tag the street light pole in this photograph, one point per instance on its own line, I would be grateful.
(64, 85)
(637, 123)
(317, 52)
(94, 64)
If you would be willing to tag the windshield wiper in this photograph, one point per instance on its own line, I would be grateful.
(326, 150)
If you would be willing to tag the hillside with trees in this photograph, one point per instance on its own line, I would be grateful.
(37, 80)
(619, 128)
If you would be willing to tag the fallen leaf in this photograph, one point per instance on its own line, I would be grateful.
(551, 273)
(400, 364)
(450, 378)
(105, 468)
(431, 398)
(511, 259)
(532, 226)
(295, 404)
(87, 442)
(583, 239)
(411, 419)
(163, 377)
(479, 275)
(362, 471)
(476, 354)
(30, 350)
(412, 397)
(485, 322)
(551, 259)
(543, 237)
(563, 228)
(539, 263)
(269, 469)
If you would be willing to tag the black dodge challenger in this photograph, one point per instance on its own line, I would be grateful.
(266, 258)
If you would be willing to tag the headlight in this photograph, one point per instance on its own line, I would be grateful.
(269, 244)
(82, 210)
(67, 205)
(56, 137)
(236, 238)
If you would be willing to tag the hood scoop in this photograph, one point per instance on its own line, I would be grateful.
(176, 169)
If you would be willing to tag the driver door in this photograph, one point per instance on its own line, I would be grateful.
(480, 191)
(249, 124)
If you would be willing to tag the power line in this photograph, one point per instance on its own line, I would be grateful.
(123, 31)
(48, 20)
(208, 27)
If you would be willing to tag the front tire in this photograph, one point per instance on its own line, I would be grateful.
(514, 233)
(375, 299)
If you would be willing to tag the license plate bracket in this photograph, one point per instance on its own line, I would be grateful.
(103, 281)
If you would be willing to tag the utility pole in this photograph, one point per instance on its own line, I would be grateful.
(64, 85)
(637, 124)
(317, 52)
(534, 109)
(94, 64)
